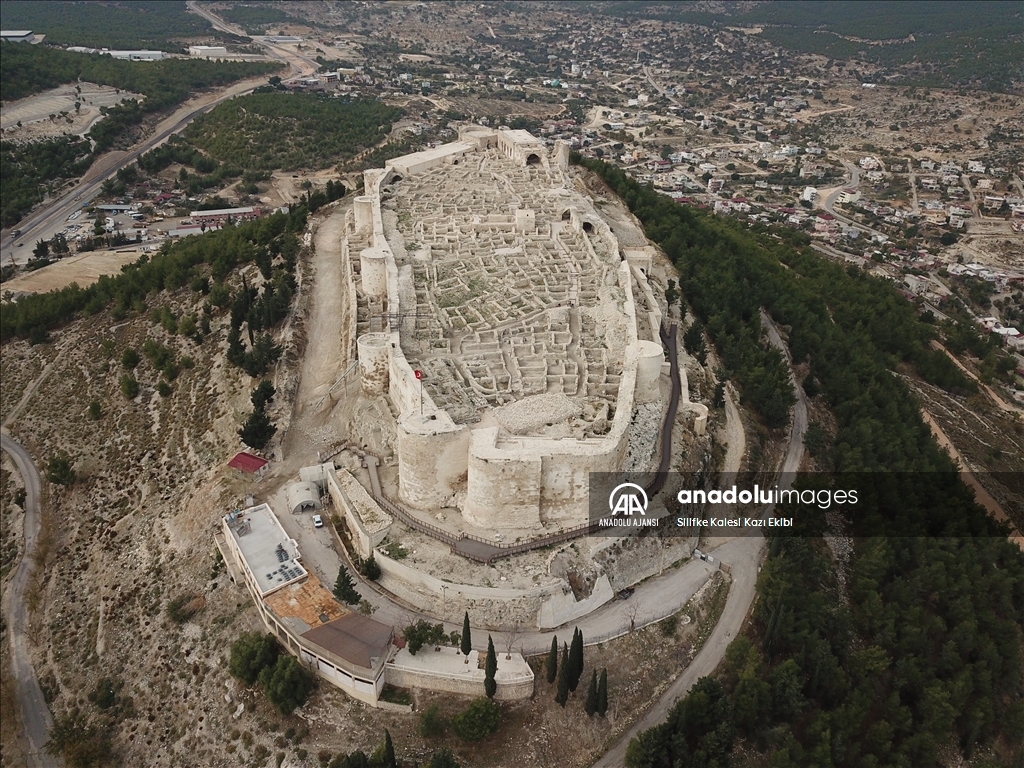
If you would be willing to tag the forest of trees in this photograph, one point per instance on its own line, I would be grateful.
(918, 649)
(254, 19)
(949, 48)
(26, 170)
(111, 24)
(30, 69)
(273, 130)
(29, 169)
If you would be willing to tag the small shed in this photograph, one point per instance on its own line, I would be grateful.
(302, 496)
(251, 465)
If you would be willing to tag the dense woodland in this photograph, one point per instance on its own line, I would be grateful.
(29, 69)
(255, 19)
(949, 47)
(27, 169)
(273, 130)
(111, 24)
(917, 650)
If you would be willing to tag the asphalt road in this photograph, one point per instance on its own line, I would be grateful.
(652, 600)
(44, 224)
(35, 716)
(743, 556)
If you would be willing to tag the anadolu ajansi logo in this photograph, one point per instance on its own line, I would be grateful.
(627, 499)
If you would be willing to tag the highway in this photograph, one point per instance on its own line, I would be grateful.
(36, 720)
(47, 222)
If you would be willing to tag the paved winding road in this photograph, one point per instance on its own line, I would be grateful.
(44, 224)
(35, 716)
(743, 556)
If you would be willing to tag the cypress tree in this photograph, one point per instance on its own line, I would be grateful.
(562, 695)
(552, 664)
(602, 693)
(467, 640)
(389, 751)
(344, 588)
(591, 705)
(490, 667)
(576, 660)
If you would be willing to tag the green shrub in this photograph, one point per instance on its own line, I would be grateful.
(481, 718)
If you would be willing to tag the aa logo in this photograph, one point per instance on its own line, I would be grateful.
(628, 499)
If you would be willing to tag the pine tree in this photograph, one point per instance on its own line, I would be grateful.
(345, 589)
(591, 705)
(576, 660)
(562, 695)
(389, 751)
(602, 693)
(490, 668)
(370, 569)
(552, 664)
(467, 640)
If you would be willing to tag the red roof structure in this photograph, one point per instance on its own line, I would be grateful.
(246, 462)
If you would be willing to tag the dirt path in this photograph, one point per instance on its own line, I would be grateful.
(795, 449)
(1009, 408)
(35, 716)
(326, 355)
(735, 434)
(31, 389)
(980, 494)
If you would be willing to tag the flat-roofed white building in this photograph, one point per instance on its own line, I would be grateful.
(207, 51)
(16, 35)
(136, 55)
(346, 648)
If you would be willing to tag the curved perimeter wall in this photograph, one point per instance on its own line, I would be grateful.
(513, 482)
(496, 608)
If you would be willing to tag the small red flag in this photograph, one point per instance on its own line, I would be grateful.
(419, 374)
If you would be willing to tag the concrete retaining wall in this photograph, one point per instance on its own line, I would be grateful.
(563, 608)
(364, 538)
(454, 676)
(545, 607)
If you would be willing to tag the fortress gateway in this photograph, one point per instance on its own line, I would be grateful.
(511, 332)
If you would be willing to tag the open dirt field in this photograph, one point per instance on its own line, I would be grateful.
(84, 269)
(34, 112)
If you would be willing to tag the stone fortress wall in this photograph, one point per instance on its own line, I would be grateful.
(530, 284)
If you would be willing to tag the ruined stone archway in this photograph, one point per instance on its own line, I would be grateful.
(566, 215)
(533, 159)
(588, 227)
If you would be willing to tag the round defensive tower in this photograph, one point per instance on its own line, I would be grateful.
(373, 270)
(649, 362)
(432, 459)
(363, 208)
(374, 351)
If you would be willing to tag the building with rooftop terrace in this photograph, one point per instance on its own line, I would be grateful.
(342, 647)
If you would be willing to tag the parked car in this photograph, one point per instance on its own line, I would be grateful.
(318, 522)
